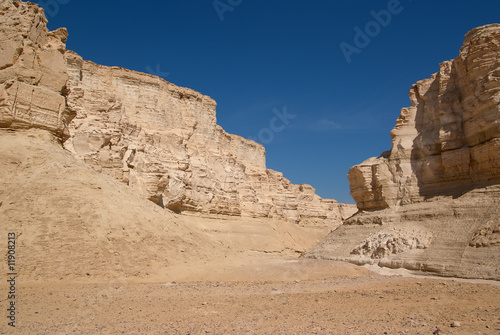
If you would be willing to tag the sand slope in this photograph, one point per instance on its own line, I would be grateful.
(75, 224)
(95, 258)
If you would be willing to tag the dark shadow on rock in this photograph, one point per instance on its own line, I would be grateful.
(427, 150)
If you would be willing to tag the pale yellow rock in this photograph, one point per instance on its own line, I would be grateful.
(432, 203)
(164, 142)
(33, 72)
(74, 224)
(451, 237)
(393, 241)
(160, 139)
(448, 141)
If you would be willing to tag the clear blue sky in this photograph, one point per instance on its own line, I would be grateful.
(267, 54)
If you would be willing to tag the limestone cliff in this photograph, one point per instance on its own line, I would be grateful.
(33, 73)
(433, 202)
(448, 142)
(160, 139)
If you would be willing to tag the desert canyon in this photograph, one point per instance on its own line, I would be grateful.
(134, 212)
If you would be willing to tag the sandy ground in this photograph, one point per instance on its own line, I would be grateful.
(93, 257)
(256, 293)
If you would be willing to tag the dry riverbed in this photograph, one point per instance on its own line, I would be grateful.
(254, 293)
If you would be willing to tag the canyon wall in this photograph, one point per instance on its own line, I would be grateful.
(33, 73)
(448, 142)
(160, 139)
(432, 203)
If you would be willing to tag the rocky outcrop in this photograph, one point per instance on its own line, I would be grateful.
(488, 235)
(164, 141)
(432, 203)
(392, 241)
(33, 73)
(448, 142)
(160, 139)
(448, 237)
(75, 224)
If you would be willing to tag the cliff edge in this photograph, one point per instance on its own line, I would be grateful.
(160, 139)
(431, 203)
(448, 142)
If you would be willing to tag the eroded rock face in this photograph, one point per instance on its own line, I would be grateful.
(457, 237)
(448, 142)
(393, 241)
(164, 141)
(432, 204)
(160, 139)
(33, 72)
(487, 235)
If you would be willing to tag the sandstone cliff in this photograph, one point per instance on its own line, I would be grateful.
(75, 224)
(432, 203)
(151, 140)
(33, 73)
(160, 139)
(448, 142)
(448, 237)
(164, 141)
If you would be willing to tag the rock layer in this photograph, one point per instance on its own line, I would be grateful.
(448, 237)
(163, 140)
(448, 142)
(432, 203)
(75, 224)
(160, 139)
(33, 73)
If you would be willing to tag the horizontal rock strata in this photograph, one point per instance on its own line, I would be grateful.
(160, 139)
(74, 224)
(432, 203)
(33, 73)
(447, 237)
(448, 142)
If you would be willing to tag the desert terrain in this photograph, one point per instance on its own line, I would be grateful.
(126, 209)
(256, 293)
(214, 275)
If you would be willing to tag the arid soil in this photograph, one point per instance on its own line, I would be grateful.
(92, 257)
(255, 293)
(85, 252)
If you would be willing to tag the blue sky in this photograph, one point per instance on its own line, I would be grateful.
(278, 68)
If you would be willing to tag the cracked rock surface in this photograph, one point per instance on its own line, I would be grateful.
(160, 139)
(448, 142)
(431, 203)
(33, 73)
